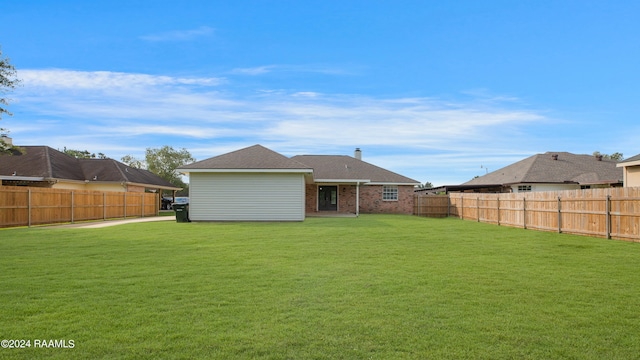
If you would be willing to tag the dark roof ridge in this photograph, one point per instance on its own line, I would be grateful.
(48, 161)
(116, 164)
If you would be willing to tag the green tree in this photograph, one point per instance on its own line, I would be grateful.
(427, 185)
(8, 82)
(164, 162)
(132, 162)
(83, 154)
(615, 156)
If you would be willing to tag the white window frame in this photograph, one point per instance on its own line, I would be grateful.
(524, 188)
(389, 192)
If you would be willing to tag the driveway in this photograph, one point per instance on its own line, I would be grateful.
(106, 223)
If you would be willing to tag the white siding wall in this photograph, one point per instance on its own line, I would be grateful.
(246, 197)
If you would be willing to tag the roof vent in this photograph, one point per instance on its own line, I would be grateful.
(554, 156)
(599, 157)
(357, 154)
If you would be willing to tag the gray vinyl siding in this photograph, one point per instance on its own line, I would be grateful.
(246, 197)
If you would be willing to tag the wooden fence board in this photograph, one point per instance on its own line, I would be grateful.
(21, 206)
(610, 212)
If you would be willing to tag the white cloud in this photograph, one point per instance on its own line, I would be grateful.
(113, 113)
(259, 70)
(179, 35)
(69, 79)
(317, 69)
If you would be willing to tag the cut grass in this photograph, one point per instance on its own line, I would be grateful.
(379, 286)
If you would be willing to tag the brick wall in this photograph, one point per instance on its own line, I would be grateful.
(370, 200)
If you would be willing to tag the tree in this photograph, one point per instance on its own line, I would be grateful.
(83, 154)
(427, 185)
(132, 162)
(8, 82)
(615, 156)
(164, 162)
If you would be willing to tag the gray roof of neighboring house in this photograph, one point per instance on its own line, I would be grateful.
(342, 167)
(633, 158)
(253, 157)
(48, 163)
(543, 168)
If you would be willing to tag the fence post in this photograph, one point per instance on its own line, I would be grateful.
(559, 216)
(449, 205)
(498, 206)
(142, 210)
(608, 216)
(462, 207)
(72, 198)
(478, 207)
(125, 204)
(29, 208)
(524, 212)
(104, 206)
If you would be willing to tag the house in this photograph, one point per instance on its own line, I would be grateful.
(257, 183)
(42, 166)
(631, 171)
(551, 171)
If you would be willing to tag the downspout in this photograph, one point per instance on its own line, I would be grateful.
(357, 198)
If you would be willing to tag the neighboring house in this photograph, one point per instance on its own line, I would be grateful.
(551, 171)
(257, 183)
(631, 171)
(42, 166)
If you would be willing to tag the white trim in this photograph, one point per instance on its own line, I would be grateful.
(627, 164)
(295, 171)
(341, 181)
(21, 178)
(392, 183)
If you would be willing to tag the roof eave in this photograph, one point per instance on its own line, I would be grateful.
(393, 183)
(299, 171)
(343, 181)
(629, 163)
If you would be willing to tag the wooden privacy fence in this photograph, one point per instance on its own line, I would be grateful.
(21, 206)
(610, 213)
(431, 205)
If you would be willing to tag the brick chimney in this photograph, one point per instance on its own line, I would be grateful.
(357, 154)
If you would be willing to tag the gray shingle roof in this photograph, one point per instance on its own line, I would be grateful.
(48, 163)
(325, 167)
(542, 168)
(633, 158)
(253, 157)
(342, 167)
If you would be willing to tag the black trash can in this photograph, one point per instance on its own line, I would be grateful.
(182, 212)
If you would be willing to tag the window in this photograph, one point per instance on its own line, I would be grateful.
(524, 188)
(390, 193)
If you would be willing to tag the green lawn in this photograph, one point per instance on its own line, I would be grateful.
(379, 287)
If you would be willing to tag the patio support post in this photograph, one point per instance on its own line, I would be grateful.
(357, 198)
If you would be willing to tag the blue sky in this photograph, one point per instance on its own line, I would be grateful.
(439, 91)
